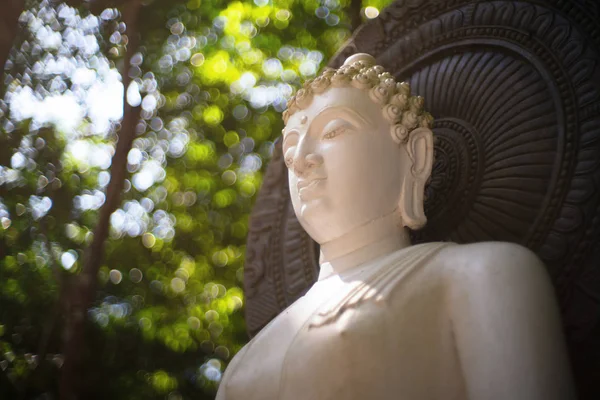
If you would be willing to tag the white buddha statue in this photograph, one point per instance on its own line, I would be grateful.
(386, 319)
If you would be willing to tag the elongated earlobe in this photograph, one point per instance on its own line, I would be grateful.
(413, 216)
(420, 152)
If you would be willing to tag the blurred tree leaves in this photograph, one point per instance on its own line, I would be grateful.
(210, 79)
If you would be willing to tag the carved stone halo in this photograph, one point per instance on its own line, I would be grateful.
(457, 154)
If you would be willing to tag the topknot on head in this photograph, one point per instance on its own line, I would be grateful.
(366, 59)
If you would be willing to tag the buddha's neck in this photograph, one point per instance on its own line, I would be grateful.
(372, 240)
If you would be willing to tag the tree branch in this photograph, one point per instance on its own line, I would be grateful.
(354, 11)
(84, 288)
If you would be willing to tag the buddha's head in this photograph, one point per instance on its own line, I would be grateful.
(358, 148)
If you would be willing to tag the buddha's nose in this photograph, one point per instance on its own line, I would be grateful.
(306, 159)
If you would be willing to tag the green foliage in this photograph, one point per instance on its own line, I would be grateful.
(212, 78)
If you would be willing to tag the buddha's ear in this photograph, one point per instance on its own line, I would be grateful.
(420, 153)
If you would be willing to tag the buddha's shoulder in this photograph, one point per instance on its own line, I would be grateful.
(486, 260)
(488, 253)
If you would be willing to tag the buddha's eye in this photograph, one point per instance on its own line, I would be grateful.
(334, 132)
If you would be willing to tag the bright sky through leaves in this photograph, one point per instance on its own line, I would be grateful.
(211, 79)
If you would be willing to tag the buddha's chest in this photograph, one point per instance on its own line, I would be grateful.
(256, 371)
(336, 344)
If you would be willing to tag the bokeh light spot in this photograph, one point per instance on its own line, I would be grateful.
(135, 275)
(197, 59)
(229, 177)
(115, 276)
(194, 323)
(222, 352)
(68, 259)
(178, 285)
(148, 240)
(213, 115)
(371, 12)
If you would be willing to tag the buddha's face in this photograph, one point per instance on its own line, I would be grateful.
(344, 168)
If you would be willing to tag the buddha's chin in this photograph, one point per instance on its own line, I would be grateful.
(313, 216)
(313, 208)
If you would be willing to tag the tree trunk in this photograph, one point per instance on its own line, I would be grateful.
(83, 290)
(354, 13)
(9, 26)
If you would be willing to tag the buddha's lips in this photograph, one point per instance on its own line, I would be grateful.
(307, 183)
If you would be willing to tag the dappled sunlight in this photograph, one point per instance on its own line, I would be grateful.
(205, 87)
(95, 88)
